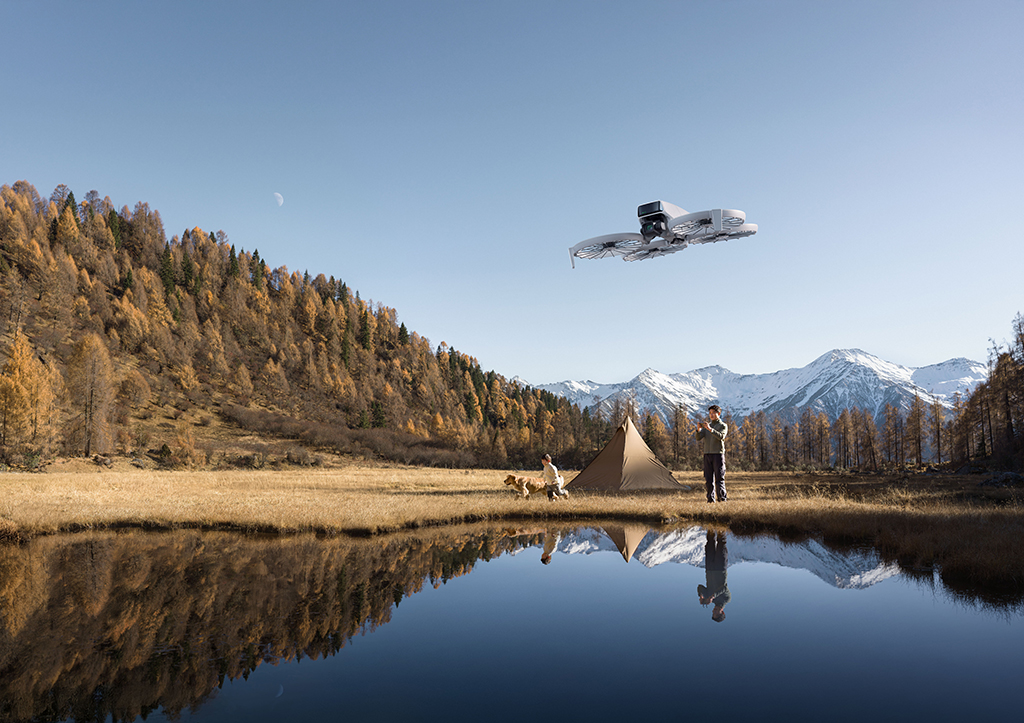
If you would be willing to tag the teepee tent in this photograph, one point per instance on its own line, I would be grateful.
(626, 463)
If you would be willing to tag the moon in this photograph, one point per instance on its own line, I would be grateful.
(280, 198)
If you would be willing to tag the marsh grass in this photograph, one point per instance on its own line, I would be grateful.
(975, 536)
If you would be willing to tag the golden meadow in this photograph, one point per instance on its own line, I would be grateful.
(973, 533)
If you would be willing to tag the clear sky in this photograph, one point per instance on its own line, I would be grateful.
(441, 157)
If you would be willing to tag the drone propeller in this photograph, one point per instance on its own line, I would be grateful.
(716, 219)
(709, 235)
(655, 250)
(613, 244)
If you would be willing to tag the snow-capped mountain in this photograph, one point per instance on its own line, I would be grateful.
(840, 379)
(852, 570)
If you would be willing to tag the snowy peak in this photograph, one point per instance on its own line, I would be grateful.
(840, 379)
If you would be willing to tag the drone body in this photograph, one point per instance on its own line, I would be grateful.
(665, 229)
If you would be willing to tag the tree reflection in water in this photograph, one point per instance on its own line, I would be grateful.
(95, 625)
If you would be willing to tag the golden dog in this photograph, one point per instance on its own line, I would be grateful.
(526, 485)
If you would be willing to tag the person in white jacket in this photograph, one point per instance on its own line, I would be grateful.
(552, 479)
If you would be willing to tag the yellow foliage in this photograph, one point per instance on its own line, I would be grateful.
(187, 377)
(242, 381)
(131, 323)
(157, 311)
(30, 389)
(67, 227)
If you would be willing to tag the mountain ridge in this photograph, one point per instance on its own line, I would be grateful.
(838, 379)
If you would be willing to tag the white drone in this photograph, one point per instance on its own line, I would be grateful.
(665, 229)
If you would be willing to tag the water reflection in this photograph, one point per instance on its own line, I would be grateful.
(716, 562)
(115, 624)
(94, 626)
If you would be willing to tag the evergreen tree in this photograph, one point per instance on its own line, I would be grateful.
(187, 270)
(365, 332)
(379, 420)
(70, 202)
(346, 350)
(167, 270)
(114, 224)
(258, 270)
(233, 269)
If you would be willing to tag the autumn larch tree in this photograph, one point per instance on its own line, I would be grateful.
(91, 391)
(33, 379)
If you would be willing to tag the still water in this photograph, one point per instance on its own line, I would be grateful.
(492, 623)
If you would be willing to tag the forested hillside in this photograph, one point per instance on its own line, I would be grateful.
(190, 351)
(109, 325)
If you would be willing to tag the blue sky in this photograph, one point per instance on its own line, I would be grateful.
(441, 157)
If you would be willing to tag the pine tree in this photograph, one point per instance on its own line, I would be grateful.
(114, 224)
(70, 203)
(187, 271)
(257, 269)
(346, 350)
(233, 268)
(379, 420)
(167, 270)
(365, 331)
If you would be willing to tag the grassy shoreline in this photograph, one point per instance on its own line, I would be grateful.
(976, 535)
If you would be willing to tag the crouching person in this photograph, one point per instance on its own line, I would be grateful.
(552, 479)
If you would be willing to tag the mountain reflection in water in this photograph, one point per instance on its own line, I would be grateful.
(94, 625)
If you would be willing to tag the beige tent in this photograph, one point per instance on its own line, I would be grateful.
(626, 463)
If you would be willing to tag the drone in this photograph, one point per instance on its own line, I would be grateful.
(665, 229)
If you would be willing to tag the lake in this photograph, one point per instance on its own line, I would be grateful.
(492, 622)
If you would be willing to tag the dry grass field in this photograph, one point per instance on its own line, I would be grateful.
(974, 533)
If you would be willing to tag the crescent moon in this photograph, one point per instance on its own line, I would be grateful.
(280, 198)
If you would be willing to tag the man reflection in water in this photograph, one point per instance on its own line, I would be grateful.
(716, 560)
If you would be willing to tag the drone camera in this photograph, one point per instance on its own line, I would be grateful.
(653, 220)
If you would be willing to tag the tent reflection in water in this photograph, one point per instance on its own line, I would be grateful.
(626, 537)
(625, 464)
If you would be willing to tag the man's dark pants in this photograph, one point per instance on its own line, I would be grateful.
(714, 476)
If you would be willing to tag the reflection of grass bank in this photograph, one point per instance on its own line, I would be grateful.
(976, 534)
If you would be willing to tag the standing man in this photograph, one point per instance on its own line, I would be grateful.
(713, 433)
